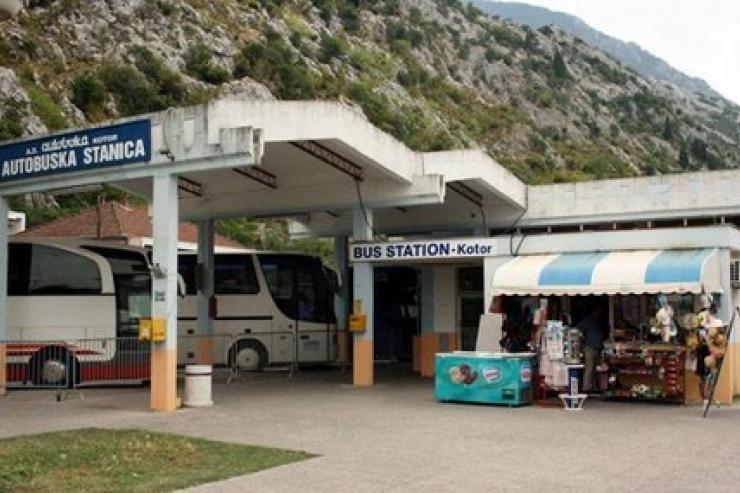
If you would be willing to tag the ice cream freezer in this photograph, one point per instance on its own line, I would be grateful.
(488, 378)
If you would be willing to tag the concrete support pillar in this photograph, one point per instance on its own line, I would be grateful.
(427, 299)
(421, 342)
(341, 299)
(364, 284)
(3, 291)
(206, 269)
(726, 383)
(164, 293)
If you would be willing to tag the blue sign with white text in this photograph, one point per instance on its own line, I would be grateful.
(82, 150)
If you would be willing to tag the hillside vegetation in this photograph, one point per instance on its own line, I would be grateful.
(434, 73)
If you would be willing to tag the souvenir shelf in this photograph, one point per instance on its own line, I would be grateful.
(645, 372)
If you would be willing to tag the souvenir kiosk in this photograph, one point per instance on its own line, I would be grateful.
(659, 309)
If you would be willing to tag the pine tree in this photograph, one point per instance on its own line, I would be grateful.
(667, 129)
(559, 69)
(683, 157)
(699, 149)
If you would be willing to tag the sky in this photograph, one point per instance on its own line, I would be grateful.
(698, 37)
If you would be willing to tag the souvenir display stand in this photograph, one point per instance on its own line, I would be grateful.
(645, 372)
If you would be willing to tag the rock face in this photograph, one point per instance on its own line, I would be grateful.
(9, 8)
(433, 73)
(629, 54)
(246, 89)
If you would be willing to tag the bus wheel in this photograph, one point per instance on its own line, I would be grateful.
(248, 355)
(53, 366)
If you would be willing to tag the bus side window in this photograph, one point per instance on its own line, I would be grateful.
(55, 271)
(19, 267)
(235, 274)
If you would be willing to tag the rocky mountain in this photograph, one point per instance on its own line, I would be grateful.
(437, 74)
(630, 54)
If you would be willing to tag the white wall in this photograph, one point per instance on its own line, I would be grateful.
(438, 298)
(445, 298)
(705, 193)
(16, 222)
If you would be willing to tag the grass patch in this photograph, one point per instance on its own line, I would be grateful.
(97, 460)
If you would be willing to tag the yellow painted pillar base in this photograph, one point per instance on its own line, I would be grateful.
(362, 367)
(3, 371)
(416, 354)
(163, 379)
(430, 344)
(733, 356)
(204, 350)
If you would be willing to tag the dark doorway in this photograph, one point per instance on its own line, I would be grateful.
(396, 315)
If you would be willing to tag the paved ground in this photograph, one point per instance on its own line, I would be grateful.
(395, 437)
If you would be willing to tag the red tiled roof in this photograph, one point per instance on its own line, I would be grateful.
(117, 221)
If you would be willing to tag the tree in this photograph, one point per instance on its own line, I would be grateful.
(683, 157)
(88, 93)
(559, 69)
(699, 149)
(530, 41)
(667, 129)
(546, 30)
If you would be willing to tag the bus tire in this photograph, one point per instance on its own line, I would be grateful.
(54, 366)
(248, 355)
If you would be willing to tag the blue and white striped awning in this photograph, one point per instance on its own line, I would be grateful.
(623, 272)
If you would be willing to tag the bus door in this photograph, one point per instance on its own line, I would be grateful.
(133, 283)
(302, 294)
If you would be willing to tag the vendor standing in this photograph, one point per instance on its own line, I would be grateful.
(593, 328)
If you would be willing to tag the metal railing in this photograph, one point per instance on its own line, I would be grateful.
(69, 364)
(64, 365)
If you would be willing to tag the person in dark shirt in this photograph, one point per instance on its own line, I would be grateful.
(592, 328)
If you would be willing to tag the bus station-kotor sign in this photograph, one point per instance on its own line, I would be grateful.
(76, 151)
(421, 250)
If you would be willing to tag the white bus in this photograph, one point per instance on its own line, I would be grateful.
(73, 311)
(74, 308)
(271, 308)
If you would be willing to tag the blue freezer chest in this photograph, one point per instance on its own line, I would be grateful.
(487, 378)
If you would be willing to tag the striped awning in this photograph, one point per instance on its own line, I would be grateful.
(623, 272)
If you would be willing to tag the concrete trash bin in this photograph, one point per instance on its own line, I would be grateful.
(198, 386)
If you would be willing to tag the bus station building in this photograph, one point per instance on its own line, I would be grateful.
(456, 224)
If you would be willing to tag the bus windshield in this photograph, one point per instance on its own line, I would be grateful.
(133, 287)
(299, 287)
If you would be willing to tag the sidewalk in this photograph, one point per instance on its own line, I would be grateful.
(395, 437)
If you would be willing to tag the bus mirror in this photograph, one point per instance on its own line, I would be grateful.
(333, 279)
(181, 289)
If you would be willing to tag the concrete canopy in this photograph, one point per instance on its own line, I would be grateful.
(480, 194)
(324, 159)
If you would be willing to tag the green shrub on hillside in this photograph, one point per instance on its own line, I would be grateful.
(134, 95)
(88, 93)
(274, 63)
(44, 106)
(11, 123)
(331, 47)
(168, 83)
(200, 64)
